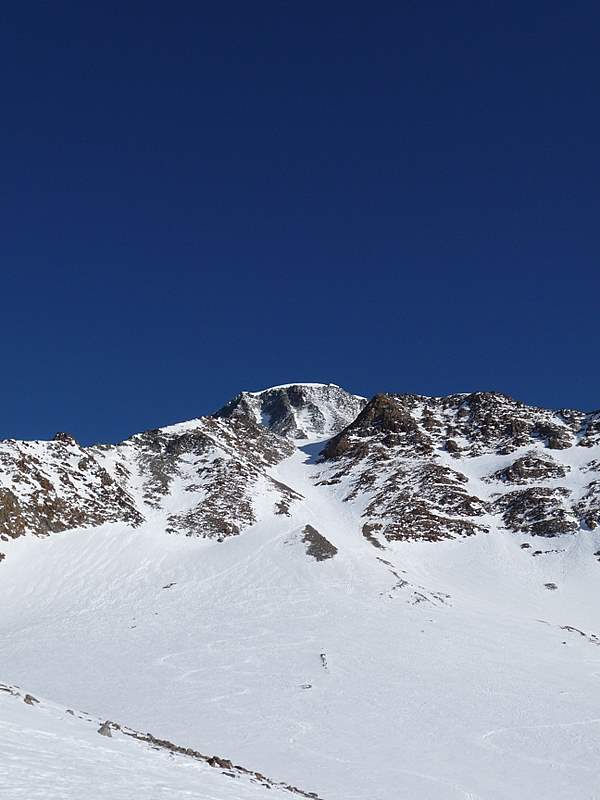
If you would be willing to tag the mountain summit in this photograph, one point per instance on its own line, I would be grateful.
(310, 411)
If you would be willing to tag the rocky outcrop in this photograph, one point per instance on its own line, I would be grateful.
(48, 487)
(317, 545)
(390, 418)
(200, 478)
(588, 507)
(529, 468)
(204, 476)
(405, 460)
(423, 501)
(472, 424)
(538, 510)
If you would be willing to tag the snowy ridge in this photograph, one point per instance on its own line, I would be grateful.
(288, 385)
(433, 468)
(309, 411)
(198, 478)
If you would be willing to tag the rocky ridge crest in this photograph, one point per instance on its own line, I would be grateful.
(440, 467)
(412, 467)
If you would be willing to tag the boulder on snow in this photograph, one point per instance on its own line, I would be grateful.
(104, 729)
(30, 700)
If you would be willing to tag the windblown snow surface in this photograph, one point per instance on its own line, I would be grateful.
(54, 753)
(429, 670)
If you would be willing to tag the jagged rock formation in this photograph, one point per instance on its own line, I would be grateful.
(204, 476)
(528, 468)
(411, 467)
(198, 478)
(473, 424)
(297, 411)
(440, 467)
(47, 487)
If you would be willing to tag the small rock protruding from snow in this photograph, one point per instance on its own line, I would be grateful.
(65, 438)
(30, 700)
(104, 729)
(317, 545)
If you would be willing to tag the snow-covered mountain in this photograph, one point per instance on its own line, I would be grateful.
(382, 599)
(415, 467)
(310, 411)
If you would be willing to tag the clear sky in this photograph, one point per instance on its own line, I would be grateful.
(198, 198)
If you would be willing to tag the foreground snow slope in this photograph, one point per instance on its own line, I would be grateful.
(53, 753)
(423, 670)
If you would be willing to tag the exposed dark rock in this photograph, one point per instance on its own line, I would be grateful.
(224, 764)
(317, 545)
(528, 468)
(223, 483)
(588, 508)
(424, 501)
(389, 455)
(590, 430)
(367, 531)
(58, 486)
(392, 456)
(452, 447)
(30, 700)
(65, 438)
(387, 416)
(557, 438)
(104, 729)
(540, 511)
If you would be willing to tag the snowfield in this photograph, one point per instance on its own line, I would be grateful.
(427, 670)
(53, 753)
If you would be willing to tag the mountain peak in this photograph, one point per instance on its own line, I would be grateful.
(309, 411)
(299, 384)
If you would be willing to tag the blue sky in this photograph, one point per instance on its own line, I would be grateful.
(392, 197)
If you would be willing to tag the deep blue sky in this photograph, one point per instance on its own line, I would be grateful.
(197, 198)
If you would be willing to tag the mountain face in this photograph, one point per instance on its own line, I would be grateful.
(416, 468)
(310, 411)
(440, 467)
(46, 487)
(364, 599)
(198, 478)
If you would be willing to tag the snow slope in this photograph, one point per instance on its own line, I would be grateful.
(55, 753)
(428, 670)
